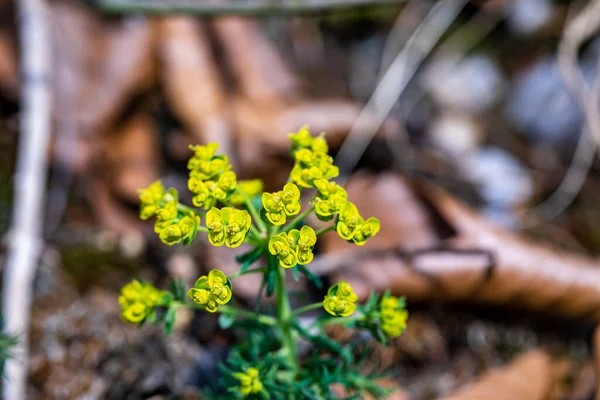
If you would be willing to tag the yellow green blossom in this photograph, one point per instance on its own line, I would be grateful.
(211, 291)
(348, 221)
(304, 140)
(303, 241)
(150, 199)
(340, 300)
(181, 230)
(366, 230)
(311, 166)
(168, 211)
(205, 164)
(392, 316)
(282, 204)
(227, 226)
(249, 381)
(225, 186)
(280, 247)
(250, 188)
(138, 300)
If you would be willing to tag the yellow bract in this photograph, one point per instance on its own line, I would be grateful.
(211, 291)
(311, 166)
(352, 227)
(138, 300)
(249, 381)
(150, 199)
(392, 316)
(280, 205)
(205, 164)
(294, 247)
(227, 226)
(340, 299)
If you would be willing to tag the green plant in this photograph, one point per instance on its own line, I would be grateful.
(273, 223)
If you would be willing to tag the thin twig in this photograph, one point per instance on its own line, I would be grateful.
(236, 7)
(26, 237)
(394, 82)
(577, 32)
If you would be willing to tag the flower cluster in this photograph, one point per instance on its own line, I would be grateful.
(329, 200)
(249, 381)
(352, 227)
(393, 316)
(279, 206)
(227, 226)
(311, 159)
(138, 300)
(174, 224)
(340, 299)
(293, 247)
(210, 177)
(211, 291)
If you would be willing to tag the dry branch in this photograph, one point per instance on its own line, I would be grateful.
(26, 233)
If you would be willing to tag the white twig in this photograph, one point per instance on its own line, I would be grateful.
(26, 238)
(394, 82)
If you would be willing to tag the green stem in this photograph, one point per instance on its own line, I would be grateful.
(284, 315)
(183, 207)
(248, 271)
(261, 318)
(255, 214)
(342, 320)
(298, 218)
(306, 308)
(322, 231)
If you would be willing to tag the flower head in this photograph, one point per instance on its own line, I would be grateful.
(366, 230)
(303, 241)
(150, 199)
(393, 316)
(301, 139)
(184, 229)
(282, 204)
(138, 300)
(205, 164)
(227, 226)
(340, 300)
(348, 221)
(311, 166)
(280, 247)
(249, 381)
(211, 291)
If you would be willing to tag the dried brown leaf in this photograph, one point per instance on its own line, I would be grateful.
(259, 69)
(191, 80)
(479, 262)
(9, 70)
(526, 378)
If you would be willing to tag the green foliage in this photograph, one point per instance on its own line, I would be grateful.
(265, 363)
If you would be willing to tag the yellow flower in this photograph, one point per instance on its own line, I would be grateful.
(311, 166)
(205, 164)
(366, 230)
(249, 381)
(348, 221)
(251, 188)
(301, 139)
(203, 196)
(280, 247)
(150, 199)
(227, 226)
(138, 300)
(319, 144)
(326, 208)
(211, 291)
(225, 186)
(303, 242)
(340, 300)
(329, 189)
(184, 229)
(392, 316)
(282, 204)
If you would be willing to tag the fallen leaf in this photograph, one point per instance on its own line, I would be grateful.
(526, 378)
(470, 260)
(191, 80)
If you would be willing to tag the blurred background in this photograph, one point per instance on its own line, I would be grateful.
(468, 127)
